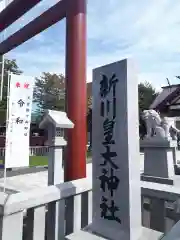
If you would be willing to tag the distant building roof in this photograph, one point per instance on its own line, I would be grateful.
(167, 95)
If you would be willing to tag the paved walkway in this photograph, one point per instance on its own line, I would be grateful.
(25, 182)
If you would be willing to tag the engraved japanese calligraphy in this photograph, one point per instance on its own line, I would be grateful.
(109, 210)
(116, 191)
(108, 180)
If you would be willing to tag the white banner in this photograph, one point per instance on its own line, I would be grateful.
(19, 118)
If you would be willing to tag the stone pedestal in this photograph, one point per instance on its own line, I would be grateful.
(175, 158)
(55, 159)
(174, 152)
(173, 234)
(147, 234)
(158, 161)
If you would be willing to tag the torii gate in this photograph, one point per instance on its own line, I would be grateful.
(75, 13)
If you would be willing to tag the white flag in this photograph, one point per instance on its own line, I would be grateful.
(18, 126)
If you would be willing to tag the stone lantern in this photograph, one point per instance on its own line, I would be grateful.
(55, 122)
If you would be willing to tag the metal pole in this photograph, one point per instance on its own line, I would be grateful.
(7, 123)
(2, 78)
(2, 57)
(75, 162)
(6, 2)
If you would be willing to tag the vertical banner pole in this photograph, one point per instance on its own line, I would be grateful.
(5, 3)
(7, 122)
(2, 78)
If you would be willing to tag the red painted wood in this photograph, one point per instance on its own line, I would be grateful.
(75, 162)
(39, 24)
(14, 11)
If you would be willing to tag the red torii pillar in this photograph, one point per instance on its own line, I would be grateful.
(75, 162)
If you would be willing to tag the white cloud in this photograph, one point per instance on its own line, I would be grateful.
(150, 28)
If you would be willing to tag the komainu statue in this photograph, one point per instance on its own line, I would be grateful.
(158, 128)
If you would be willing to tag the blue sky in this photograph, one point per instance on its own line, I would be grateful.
(148, 31)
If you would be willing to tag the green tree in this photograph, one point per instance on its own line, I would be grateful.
(49, 92)
(147, 94)
(11, 67)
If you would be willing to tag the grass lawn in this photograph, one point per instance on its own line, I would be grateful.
(35, 161)
(89, 154)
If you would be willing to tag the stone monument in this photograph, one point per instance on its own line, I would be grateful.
(115, 156)
(159, 145)
(115, 148)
